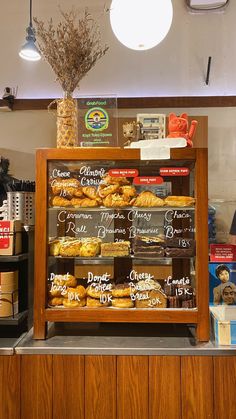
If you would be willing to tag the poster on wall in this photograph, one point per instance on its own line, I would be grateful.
(222, 282)
(97, 122)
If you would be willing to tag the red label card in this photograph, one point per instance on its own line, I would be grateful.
(4, 234)
(222, 253)
(174, 171)
(148, 180)
(123, 172)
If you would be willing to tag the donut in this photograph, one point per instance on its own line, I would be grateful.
(94, 302)
(55, 301)
(56, 290)
(121, 290)
(68, 280)
(73, 303)
(122, 303)
(75, 293)
(92, 292)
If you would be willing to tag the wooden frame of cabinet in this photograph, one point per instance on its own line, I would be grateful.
(198, 316)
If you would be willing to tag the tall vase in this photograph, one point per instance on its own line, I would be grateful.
(67, 122)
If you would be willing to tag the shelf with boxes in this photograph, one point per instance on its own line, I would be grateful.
(113, 232)
(14, 266)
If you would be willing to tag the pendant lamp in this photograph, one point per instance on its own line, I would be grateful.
(141, 24)
(29, 51)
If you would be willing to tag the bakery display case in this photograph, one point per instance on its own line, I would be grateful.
(121, 239)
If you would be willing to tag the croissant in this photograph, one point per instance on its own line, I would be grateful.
(128, 191)
(104, 190)
(147, 199)
(115, 200)
(180, 201)
(85, 202)
(59, 201)
(68, 186)
(110, 180)
(90, 192)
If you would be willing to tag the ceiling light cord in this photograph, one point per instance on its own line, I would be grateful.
(31, 24)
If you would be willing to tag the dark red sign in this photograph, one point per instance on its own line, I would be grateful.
(148, 180)
(4, 234)
(174, 171)
(123, 172)
(222, 253)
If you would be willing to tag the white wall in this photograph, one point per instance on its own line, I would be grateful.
(175, 67)
(21, 132)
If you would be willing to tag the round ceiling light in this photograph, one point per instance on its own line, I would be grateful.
(141, 24)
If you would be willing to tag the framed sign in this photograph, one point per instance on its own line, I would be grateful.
(97, 123)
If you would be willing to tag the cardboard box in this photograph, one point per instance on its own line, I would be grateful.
(10, 237)
(223, 323)
(9, 293)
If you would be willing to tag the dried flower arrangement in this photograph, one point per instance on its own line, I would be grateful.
(71, 48)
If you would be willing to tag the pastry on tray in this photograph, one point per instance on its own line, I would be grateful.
(146, 246)
(177, 252)
(67, 279)
(128, 191)
(110, 180)
(84, 202)
(71, 248)
(55, 301)
(93, 292)
(147, 199)
(147, 285)
(105, 190)
(90, 192)
(179, 201)
(90, 247)
(122, 303)
(74, 303)
(77, 293)
(59, 201)
(121, 290)
(115, 200)
(174, 301)
(69, 187)
(148, 241)
(152, 252)
(151, 299)
(180, 242)
(115, 249)
(94, 302)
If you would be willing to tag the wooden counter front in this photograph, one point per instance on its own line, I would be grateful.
(117, 387)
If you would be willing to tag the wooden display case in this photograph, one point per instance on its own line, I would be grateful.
(55, 163)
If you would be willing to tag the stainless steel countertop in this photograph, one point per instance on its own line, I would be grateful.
(116, 339)
(7, 345)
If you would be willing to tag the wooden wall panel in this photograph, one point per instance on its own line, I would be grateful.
(36, 387)
(197, 387)
(68, 387)
(132, 387)
(100, 387)
(164, 387)
(9, 387)
(225, 387)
